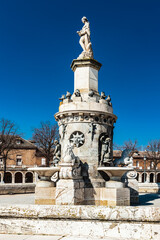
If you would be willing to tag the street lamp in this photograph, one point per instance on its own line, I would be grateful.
(144, 168)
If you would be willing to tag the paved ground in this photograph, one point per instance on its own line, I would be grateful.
(145, 199)
(41, 237)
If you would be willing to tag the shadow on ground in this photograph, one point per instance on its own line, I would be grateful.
(148, 199)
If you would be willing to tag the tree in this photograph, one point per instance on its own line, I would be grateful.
(153, 152)
(44, 138)
(9, 134)
(132, 145)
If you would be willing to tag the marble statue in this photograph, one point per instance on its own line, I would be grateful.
(109, 101)
(68, 95)
(103, 96)
(91, 93)
(77, 93)
(125, 160)
(62, 98)
(105, 151)
(56, 153)
(69, 156)
(85, 40)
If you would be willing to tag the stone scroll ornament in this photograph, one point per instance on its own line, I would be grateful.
(85, 41)
(125, 160)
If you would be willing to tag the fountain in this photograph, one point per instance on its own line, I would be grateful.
(84, 153)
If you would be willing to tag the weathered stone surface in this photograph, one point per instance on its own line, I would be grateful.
(118, 229)
(127, 213)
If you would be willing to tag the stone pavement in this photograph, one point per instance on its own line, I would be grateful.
(42, 237)
(145, 199)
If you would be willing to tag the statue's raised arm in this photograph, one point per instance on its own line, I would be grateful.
(85, 40)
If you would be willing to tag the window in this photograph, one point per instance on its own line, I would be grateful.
(43, 161)
(152, 164)
(19, 160)
(18, 141)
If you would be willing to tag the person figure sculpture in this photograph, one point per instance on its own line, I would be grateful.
(56, 153)
(85, 40)
(105, 151)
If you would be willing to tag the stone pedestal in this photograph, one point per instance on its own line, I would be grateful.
(70, 192)
(132, 184)
(45, 195)
(45, 189)
(70, 187)
(86, 74)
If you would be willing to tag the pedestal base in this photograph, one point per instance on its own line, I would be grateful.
(45, 195)
(107, 196)
(70, 192)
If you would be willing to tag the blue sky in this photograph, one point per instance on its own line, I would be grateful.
(38, 42)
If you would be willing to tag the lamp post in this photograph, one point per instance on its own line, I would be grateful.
(144, 168)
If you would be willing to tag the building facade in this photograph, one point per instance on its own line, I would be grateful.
(24, 155)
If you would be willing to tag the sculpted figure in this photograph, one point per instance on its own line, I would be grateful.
(68, 95)
(57, 152)
(109, 101)
(77, 93)
(85, 40)
(103, 96)
(105, 151)
(125, 160)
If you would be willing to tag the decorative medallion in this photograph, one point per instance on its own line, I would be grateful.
(77, 138)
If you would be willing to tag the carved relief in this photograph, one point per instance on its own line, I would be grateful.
(56, 153)
(92, 129)
(77, 139)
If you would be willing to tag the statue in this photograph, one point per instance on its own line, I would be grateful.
(85, 40)
(109, 101)
(56, 153)
(68, 95)
(62, 98)
(125, 160)
(91, 93)
(103, 96)
(105, 151)
(77, 93)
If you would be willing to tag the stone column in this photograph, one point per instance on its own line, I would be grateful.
(13, 177)
(140, 177)
(23, 177)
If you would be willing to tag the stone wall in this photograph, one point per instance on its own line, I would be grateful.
(118, 222)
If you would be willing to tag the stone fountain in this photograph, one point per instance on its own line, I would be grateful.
(85, 154)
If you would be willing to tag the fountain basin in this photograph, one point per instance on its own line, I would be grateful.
(45, 174)
(115, 174)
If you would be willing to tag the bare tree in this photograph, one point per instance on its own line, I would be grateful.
(153, 152)
(44, 139)
(132, 145)
(9, 133)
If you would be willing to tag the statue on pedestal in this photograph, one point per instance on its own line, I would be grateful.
(85, 40)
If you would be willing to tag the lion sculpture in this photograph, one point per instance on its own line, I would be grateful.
(125, 160)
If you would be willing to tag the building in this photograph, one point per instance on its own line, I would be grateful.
(25, 154)
(148, 175)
